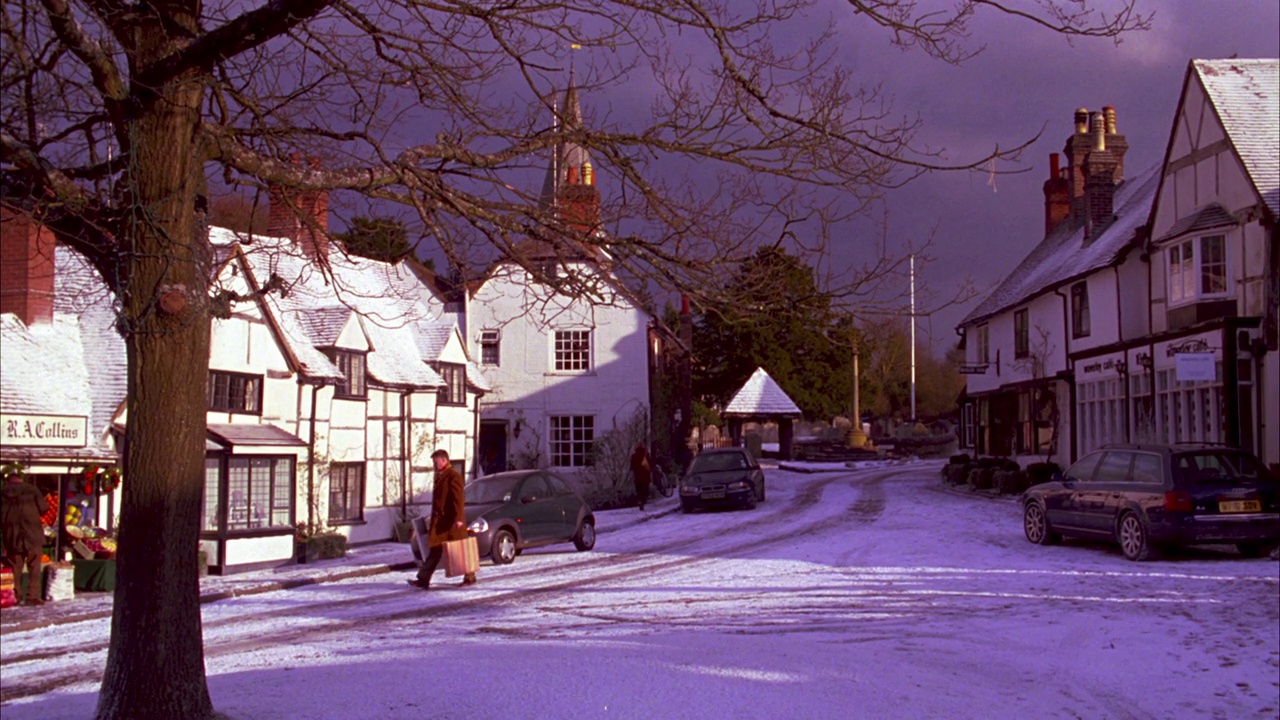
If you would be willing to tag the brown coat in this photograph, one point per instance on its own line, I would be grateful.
(640, 466)
(20, 522)
(447, 508)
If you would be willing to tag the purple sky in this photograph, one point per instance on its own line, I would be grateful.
(1025, 81)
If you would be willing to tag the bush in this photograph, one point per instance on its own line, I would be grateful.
(956, 474)
(1011, 482)
(1042, 472)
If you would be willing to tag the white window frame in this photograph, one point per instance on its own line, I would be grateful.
(983, 344)
(491, 347)
(1186, 270)
(571, 440)
(571, 350)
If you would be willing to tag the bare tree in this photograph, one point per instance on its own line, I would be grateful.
(116, 113)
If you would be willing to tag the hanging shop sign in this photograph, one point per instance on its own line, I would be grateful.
(1194, 367)
(19, 430)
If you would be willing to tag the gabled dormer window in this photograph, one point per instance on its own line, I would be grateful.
(454, 391)
(352, 366)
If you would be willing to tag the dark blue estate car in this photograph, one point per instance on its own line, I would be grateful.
(1148, 497)
(508, 512)
(725, 476)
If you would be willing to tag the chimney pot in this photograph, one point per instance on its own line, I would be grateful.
(1053, 166)
(1098, 126)
(1109, 112)
(1082, 121)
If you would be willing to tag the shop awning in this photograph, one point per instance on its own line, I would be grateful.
(226, 437)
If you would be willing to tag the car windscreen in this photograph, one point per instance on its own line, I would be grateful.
(1219, 468)
(490, 490)
(715, 462)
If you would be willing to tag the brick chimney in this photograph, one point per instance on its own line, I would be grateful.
(302, 216)
(1057, 196)
(26, 267)
(1095, 159)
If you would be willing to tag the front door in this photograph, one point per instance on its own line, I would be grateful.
(493, 447)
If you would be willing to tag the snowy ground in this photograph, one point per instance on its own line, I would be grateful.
(850, 593)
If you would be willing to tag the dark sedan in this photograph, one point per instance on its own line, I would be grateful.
(1148, 497)
(508, 512)
(725, 476)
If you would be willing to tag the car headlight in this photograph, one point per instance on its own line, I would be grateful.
(479, 526)
(738, 485)
(690, 490)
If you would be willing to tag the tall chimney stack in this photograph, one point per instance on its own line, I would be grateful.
(1057, 197)
(301, 216)
(26, 267)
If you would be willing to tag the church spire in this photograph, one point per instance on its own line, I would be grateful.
(569, 186)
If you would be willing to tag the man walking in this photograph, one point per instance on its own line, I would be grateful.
(23, 533)
(447, 521)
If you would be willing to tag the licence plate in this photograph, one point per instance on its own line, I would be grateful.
(713, 494)
(1235, 506)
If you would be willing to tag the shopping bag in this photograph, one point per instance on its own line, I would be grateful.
(461, 557)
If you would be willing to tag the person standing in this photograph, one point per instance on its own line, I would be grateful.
(641, 472)
(447, 521)
(23, 532)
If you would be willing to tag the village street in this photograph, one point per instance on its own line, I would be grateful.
(867, 593)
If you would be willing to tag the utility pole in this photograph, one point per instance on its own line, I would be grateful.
(913, 337)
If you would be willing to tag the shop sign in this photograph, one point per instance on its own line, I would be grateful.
(44, 430)
(1194, 367)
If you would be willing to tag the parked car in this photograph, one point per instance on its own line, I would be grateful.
(510, 511)
(724, 476)
(1149, 497)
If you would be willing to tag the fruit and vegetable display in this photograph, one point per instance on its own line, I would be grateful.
(92, 542)
(50, 515)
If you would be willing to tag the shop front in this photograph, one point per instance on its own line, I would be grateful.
(81, 484)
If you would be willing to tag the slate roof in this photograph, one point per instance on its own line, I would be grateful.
(1246, 96)
(760, 396)
(1064, 255)
(1209, 217)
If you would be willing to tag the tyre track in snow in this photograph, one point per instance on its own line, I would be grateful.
(865, 508)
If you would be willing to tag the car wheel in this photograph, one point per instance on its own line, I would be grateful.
(686, 507)
(761, 491)
(750, 502)
(1252, 549)
(1134, 542)
(1036, 525)
(504, 547)
(585, 539)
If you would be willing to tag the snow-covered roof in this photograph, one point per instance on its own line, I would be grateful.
(386, 299)
(761, 396)
(1246, 96)
(1209, 217)
(1064, 255)
(76, 364)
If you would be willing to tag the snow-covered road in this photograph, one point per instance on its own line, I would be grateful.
(873, 593)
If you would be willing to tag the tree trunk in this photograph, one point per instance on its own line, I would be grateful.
(155, 664)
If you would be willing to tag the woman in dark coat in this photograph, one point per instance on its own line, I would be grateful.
(641, 471)
(23, 532)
